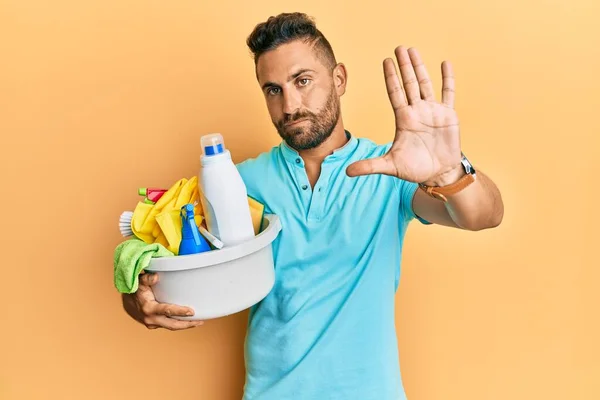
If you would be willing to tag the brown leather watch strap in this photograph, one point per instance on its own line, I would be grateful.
(441, 192)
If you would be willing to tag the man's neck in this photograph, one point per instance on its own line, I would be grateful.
(335, 141)
(313, 158)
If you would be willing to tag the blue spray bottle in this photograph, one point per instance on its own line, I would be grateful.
(191, 240)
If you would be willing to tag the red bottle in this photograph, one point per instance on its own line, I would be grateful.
(152, 194)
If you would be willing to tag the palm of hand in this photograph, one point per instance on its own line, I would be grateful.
(427, 140)
(426, 143)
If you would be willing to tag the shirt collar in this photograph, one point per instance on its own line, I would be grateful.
(342, 153)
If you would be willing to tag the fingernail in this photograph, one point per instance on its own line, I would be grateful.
(189, 313)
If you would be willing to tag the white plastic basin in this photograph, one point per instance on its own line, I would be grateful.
(219, 282)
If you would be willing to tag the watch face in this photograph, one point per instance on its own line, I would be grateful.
(467, 165)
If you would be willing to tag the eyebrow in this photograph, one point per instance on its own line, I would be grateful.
(291, 77)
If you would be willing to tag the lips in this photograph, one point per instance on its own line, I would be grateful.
(292, 123)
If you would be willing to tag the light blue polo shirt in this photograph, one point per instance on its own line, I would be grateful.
(326, 330)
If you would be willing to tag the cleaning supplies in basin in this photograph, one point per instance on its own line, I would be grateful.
(161, 222)
(192, 241)
(223, 194)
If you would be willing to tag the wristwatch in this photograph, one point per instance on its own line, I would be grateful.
(441, 192)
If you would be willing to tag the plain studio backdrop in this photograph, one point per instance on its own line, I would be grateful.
(100, 98)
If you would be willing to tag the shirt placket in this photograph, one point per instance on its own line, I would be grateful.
(317, 202)
(302, 183)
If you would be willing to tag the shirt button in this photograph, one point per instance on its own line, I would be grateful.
(304, 187)
(319, 189)
(298, 161)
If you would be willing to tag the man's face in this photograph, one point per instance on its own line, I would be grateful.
(300, 92)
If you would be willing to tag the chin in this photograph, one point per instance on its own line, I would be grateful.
(295, 137)
(302, 138)
(306, 144)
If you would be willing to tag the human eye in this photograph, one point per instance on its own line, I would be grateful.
(273, 91)
(304, 81)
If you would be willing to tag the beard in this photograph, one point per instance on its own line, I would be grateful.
(315, 130)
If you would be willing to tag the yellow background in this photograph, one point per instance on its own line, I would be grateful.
(99, 98)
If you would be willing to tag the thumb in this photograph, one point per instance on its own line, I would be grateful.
(148, 279)
(378, 165)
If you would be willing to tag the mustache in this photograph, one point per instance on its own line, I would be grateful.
(288, 118)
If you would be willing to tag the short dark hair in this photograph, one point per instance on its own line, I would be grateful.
(285, 28)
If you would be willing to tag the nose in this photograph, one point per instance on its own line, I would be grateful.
(291, 102)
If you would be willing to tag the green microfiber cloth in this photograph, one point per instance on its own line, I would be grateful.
(131, 257)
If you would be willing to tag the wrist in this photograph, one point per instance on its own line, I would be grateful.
(447, 178)
(450, 182)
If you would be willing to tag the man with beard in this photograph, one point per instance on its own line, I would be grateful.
(326, 330)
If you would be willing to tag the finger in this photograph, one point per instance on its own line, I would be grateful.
(379, 165)
(150, 307)
(174, 324)
(148, 279)
(447, 84)
(393, 86)
(425, 85)
(409, 79)
(172, 310)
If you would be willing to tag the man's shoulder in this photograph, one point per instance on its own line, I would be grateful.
(259, 162)
(256, 170)
(259, 170)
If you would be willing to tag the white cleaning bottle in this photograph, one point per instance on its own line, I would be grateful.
(223, 193)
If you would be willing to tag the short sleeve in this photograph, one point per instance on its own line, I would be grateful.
(248, 170)
(407, 193)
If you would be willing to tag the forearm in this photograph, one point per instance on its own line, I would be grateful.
(478, 206)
